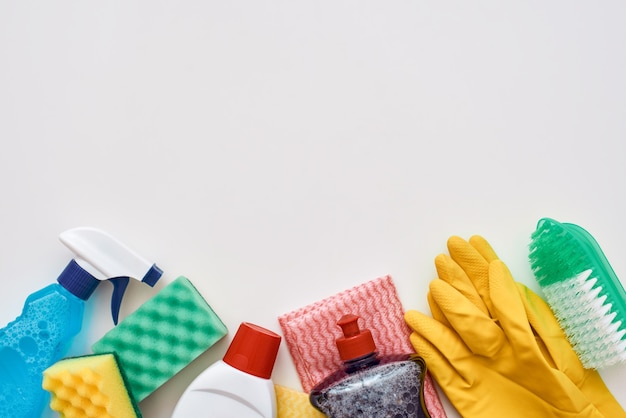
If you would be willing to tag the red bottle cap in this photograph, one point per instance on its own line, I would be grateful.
(253, 350)
(355, 343)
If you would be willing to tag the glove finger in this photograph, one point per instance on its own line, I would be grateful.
(509, 309)
(474, 265)
(477, 329)
(436, 312)
(484, 248)
(449, 271)
(439, 346)
(548, 330)
(438, 365)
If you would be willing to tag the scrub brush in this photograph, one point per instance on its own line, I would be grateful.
(583, 291)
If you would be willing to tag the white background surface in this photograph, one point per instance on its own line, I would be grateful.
(277, 152)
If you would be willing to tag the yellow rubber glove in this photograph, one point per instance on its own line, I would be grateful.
(291, 403)
(473, 257)
(485, 356)
(561, 353)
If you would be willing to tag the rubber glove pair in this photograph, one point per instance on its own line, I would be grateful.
(495, 347)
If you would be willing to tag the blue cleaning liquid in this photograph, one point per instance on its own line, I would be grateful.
(38, 338)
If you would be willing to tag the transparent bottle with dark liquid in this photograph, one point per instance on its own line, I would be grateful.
(370, 385)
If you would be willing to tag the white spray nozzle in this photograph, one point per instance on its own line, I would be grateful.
(112, 261)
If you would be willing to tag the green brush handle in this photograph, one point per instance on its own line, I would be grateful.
(612, 288)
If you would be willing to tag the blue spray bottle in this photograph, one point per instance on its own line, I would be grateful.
(52, 316)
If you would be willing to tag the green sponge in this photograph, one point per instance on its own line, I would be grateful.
(162, 337)
(90, 386)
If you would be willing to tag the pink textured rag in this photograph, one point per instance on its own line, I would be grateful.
(313, 348)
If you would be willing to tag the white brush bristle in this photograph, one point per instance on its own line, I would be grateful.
(587, 320)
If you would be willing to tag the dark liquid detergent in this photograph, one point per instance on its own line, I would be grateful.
(369, 385)
(393, 387)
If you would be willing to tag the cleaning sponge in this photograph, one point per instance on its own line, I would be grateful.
(89, 387)
(291, 403)
(162, 336)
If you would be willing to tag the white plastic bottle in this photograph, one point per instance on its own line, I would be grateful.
(239, 385)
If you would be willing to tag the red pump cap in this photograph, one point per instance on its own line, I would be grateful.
(253, 350)
(354, 343)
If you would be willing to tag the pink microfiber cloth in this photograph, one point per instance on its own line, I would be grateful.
(313, 348)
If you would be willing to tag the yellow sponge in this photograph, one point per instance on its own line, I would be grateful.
(89, 387)
(291, 403)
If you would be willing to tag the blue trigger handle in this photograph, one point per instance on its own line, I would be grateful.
(120, 284)
(119, 287)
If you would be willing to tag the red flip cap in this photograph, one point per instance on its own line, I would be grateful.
(355, 342)
(253, 350)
